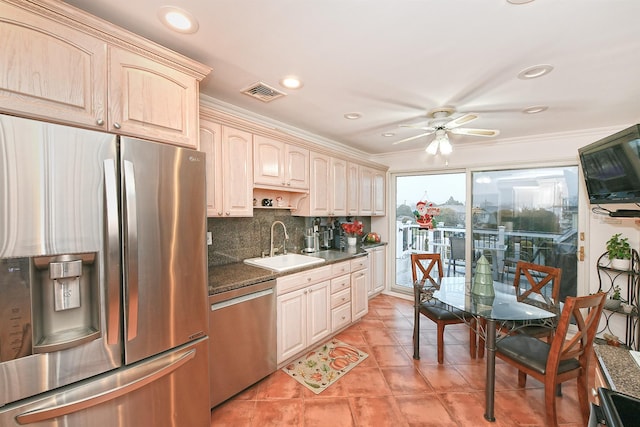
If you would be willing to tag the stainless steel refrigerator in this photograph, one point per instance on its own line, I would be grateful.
(103, 296)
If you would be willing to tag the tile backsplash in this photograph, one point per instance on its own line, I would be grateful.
(235, 239)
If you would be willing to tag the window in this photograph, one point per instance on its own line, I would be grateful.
(529, 215)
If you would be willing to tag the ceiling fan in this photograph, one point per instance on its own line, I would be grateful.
(441, 125)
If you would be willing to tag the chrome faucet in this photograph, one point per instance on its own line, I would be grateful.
(286, 237)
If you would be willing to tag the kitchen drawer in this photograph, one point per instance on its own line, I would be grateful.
(340, 283)
(340, 317)
(340, 298)
(341, 268)
(300, 280)
(359, 263)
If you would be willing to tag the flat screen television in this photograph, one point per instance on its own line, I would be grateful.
(611, 167)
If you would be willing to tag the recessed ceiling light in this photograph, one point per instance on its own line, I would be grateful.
(535, 109)
(388, 134)
(291, 82)
(519, 1)
(352, 116)
(535, 71)
(178, 19)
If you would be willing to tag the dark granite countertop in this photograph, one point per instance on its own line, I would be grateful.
(620, 370)
(223, 278)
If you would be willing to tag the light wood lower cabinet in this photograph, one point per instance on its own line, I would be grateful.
(340, 302)
(359, 287)
(313, 304)
(377, 258)
(303, 319)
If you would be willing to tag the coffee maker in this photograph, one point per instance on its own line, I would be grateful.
(326, 237)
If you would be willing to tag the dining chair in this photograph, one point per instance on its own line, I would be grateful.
(564, 358)
(540, 285)
(457, 252)
(428, 268)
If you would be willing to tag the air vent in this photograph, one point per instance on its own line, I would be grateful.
(263, 92)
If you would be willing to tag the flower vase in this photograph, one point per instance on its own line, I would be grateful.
(352, 241)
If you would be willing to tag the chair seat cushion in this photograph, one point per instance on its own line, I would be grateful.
(531, 352)
(440, 311)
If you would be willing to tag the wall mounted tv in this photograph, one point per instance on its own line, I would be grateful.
(611, 167)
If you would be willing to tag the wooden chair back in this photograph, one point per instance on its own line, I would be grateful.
(585, 313)
(540, 279)
(426, 263)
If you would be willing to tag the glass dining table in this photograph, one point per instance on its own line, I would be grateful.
(504, 311)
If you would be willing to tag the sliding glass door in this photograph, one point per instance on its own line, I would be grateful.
(527, 215)
(430, 210)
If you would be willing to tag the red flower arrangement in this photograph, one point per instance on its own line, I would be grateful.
(354, 228)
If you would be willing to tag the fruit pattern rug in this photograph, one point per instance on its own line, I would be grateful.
(324, 365)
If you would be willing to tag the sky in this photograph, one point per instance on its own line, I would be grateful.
(438, 188)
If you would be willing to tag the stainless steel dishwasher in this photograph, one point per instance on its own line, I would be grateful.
(242, 338)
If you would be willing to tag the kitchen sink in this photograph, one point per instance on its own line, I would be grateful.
(286, 262)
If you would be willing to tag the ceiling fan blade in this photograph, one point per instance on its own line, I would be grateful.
(412, 138)
(469, 117)
(475, 132)
(429, 128)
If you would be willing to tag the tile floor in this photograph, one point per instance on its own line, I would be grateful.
(390, 388)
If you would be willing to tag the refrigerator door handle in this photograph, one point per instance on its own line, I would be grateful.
(78, 402)
(131, 250)
(113, 251)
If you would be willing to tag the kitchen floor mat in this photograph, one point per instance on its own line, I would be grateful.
(324, 365)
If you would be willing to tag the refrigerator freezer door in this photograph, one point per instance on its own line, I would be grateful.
(164, 246)
(163, 391)
(52, 204)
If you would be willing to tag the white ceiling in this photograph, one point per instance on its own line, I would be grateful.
(394, 60)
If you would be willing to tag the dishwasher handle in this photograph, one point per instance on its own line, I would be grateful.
(238, 300)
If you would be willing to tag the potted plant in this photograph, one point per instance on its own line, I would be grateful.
(614, 301)
(619, 252)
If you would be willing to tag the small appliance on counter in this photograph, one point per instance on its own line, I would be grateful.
(311, 241)
(326, 238)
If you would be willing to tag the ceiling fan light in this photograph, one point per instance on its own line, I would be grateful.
(445, 146)
(432, 148)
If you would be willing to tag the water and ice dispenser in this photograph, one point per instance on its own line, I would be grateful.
(48, 303)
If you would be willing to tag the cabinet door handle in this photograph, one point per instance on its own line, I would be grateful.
(116, 125)
(99, 122)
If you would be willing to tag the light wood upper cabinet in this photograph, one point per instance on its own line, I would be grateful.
(296, 162)
(237, 172)
(327, 187)
(49, 70)
(337, 187)
(62, 65)
(372, 192)
(151, 100)
(353, 187)
(319, 188)
(229, 162)
(378, 192)
(211, 144)
(365, 191)
(278, 164)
